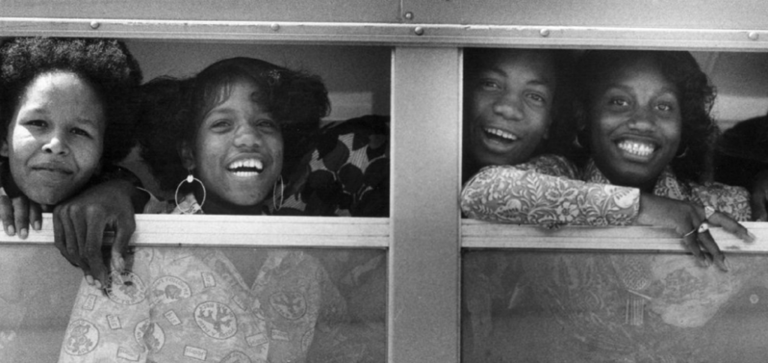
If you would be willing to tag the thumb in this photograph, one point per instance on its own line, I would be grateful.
(123, 234)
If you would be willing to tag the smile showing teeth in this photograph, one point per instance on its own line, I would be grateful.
(246, 167)
(636, 148)
(500, 133)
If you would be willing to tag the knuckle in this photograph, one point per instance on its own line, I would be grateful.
(93, 210)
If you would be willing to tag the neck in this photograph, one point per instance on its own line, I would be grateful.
(645, 185)
(215, 205)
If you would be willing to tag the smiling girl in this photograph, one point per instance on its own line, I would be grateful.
(221, 139)
(515, 103)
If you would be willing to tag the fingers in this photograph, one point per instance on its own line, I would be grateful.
(713, 251)
(21, 215)
(35, 216)
(707, 249)
(17, 214)
(692, 243)
(68, 248)
(93, 242)
(125, 229)
(76, 247)
(6, 214)
(731, 226)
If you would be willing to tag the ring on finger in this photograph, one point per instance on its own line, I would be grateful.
(708, 212)
(703, 227)
(691, 232)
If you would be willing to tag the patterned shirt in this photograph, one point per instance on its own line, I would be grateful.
(603, 307)
(191, 304)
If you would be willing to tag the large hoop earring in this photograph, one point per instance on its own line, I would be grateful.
(683, 154)
(189, 179)
(274, 194)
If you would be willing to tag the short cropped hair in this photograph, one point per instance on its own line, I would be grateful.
(106, 65)
(562, 130)
(174, 109)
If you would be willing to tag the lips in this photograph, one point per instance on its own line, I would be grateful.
(499, 134)
(246, 167)
(637, 148)
(50, 167)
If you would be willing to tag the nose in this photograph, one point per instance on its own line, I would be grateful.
(57, 144)
(509, 106)
(247, 136)
(643, 119)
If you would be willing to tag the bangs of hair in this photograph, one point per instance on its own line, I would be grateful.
(215, 88)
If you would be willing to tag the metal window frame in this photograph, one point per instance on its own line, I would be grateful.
(425, 234)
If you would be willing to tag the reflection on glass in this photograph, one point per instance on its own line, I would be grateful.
(608, 307)
(173, 304)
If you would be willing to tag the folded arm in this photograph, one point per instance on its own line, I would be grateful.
(543, 192)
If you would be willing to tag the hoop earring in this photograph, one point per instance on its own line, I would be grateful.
(190, 179)
(274, 194)
(683, 154)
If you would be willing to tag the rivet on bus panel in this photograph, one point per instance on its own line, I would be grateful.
(544, 32)
(418, 30)
(95, 25)
(409, 15)
(275, 27)
(753, 35)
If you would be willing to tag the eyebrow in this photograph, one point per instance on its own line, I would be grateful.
(92, 123)
(45, 112)
(543, 81)
(629, 89)
(219, 110)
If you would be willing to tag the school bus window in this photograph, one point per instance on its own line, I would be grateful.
(645, 135)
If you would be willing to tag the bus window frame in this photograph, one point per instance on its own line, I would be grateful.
(425, 234)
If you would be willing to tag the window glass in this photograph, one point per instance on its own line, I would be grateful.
(629, 307)
(324, 305)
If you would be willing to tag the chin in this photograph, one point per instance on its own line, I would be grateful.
(636, 177)
(247, 200)
(46, 197)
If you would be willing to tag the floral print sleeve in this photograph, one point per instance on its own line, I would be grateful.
(733, 201)
(539, 192)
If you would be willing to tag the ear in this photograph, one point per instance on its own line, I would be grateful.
(187, 156)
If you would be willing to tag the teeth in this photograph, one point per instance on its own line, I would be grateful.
(247, 163)
(502, 134)
(636, 148)
(245, 174)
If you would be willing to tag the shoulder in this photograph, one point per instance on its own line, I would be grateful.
(731, 200)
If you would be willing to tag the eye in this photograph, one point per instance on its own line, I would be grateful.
(665, 107)
(220, 125)
(618, 102)
(39, 124)
(80, 132)
(489, 85)
(536, 97)
(268, 125)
